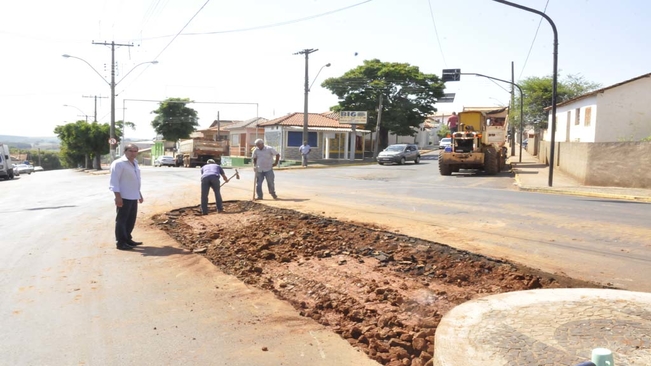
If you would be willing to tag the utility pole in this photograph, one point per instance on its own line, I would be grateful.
(377, 128)
(112, 130)
(512, 104)
(94, 96)
(306, 52)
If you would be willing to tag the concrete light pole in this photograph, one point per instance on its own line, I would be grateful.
(93, 96)
(307, 53)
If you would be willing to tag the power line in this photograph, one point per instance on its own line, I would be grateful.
(502, 87)
(168, 44)
(185, 26)
(267, 25)
(532, 42)
(431, 12)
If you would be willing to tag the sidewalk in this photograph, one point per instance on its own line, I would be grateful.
(532, 175)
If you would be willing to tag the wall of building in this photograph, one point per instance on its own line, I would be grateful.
(625, 112)
(579, 128)
(607, 164)
(624, 115)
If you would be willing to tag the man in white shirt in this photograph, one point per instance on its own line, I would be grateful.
(263, 162)
(304, 150)
(125, 184)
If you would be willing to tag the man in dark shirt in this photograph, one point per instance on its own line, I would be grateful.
(210, 179)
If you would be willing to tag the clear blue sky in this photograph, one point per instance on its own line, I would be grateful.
(605, 41)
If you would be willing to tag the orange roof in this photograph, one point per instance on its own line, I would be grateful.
(313, 120)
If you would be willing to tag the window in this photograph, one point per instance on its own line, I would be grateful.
(295, 139)
(588, 116)
(577, 116)
(235, 139)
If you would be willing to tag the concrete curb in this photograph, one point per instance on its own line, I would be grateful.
(575, 192)
(570, 192)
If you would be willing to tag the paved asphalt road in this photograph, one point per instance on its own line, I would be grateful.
(70, 298)
(60, 274)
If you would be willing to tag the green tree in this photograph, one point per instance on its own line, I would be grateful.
(81, 141)
(49, 160)
(443, 131)
(538, 96)
(75, 143)
(408, 95)
(174, 120)
(98, 142)
(120, 125)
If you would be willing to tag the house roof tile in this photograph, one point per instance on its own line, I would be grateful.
(313, 120)
(248, 123)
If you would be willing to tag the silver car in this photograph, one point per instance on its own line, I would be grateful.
(165, 161)
(25, 168)
(399, 154)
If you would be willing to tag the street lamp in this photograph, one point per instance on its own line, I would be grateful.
(112, 84)
(317, 75)
(307, 52)
(82, 112)
(554, 82)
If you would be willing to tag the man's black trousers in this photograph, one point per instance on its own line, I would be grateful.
(125, 220)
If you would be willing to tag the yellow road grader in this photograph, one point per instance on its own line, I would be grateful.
(478, 143)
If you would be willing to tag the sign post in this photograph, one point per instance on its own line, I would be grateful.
(353, 118)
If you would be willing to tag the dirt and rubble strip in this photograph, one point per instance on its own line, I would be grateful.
(383, 292)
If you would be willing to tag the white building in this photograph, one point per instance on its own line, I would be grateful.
(620, 112)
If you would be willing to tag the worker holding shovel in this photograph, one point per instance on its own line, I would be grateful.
(210, 179)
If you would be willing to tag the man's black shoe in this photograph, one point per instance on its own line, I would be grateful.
(133, 243)
(124, 247)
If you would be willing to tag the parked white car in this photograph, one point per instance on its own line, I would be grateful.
(445, 142)
(25, 169)
(165, 161)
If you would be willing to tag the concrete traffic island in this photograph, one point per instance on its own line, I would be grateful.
(546, 327)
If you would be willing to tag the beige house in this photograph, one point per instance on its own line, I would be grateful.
(242, 136)
(328, 138)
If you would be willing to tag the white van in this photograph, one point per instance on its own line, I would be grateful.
(6, 168)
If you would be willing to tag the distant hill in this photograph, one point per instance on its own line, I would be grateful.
(28, 142)
(51, 143)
